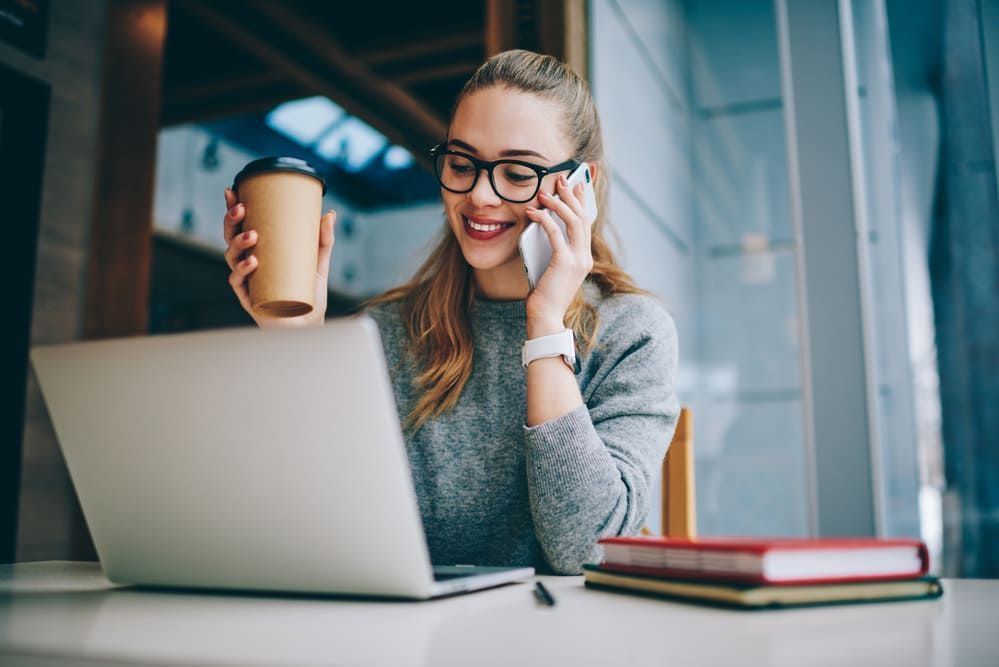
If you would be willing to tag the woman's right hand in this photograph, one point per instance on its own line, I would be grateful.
(239, 256)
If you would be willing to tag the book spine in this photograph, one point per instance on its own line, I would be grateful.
(677, 573)
(743, 578)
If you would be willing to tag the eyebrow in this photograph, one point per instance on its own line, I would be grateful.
(510, 152)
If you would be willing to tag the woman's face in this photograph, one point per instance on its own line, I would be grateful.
(491, 124)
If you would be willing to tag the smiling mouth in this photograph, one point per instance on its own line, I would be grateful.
(485, 231)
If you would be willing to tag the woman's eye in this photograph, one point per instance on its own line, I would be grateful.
(460, 168)
(519, 177)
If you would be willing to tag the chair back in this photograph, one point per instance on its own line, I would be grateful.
(679, 514)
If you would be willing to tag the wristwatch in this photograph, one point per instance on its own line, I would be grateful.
(562, 344)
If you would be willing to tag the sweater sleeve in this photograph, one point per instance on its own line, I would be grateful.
(590, 472)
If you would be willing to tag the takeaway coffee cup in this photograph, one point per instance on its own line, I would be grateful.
(283, 198)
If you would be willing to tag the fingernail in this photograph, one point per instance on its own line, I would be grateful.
(246, 236)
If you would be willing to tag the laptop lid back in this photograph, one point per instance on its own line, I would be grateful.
(241, 458)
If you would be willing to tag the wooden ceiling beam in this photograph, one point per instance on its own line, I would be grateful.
(416, 114)
(215, 88)
(245, 103)
(434, 73)
(423, 49)
(395, 113)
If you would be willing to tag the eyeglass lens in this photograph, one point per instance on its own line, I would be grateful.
(511, 181)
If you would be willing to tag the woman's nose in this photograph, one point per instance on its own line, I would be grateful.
(483, 194)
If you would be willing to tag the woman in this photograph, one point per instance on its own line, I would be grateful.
(515, 466)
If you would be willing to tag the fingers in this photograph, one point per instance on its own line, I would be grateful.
(572, 220)
(243, 295)
(237, 280)
(571, 196)
(571, 199)
(551, 228)
(326, 241)
(584, 227)
(238, 247)
(233, 219)
(230, 198)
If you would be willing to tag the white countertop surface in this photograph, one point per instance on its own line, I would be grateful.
(59, 613)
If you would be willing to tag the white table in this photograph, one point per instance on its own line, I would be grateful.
(58, 613)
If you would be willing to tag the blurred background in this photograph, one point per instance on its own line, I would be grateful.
(809, 186)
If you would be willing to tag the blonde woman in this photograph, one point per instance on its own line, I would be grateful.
(513, 465)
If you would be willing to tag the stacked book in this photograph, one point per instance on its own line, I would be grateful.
(752, 573)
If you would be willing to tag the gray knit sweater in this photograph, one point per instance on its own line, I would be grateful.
(493, 491)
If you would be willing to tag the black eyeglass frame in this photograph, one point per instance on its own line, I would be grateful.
(439, 151)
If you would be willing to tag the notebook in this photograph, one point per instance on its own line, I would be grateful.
(756, 596)
(247, 459)
(768, 560)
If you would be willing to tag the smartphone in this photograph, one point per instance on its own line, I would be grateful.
(535, 248)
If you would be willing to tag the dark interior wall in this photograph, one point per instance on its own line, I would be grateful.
(938, 57)
(189, 290)
(24, 112)
(73, 69)
(964, 269)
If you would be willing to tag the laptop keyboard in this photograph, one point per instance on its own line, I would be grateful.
(446, 572)
(442, 576)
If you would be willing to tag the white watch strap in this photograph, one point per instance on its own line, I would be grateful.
(561, 344)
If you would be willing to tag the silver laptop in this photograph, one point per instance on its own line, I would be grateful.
(247, 459)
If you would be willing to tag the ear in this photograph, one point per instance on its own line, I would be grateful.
(594, 172)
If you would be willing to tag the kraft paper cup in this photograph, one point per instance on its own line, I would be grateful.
(283, 199)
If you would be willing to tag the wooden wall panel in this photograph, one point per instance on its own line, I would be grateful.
(121, 235)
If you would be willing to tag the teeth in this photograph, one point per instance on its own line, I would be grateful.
(483, 228)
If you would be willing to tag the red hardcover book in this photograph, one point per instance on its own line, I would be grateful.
(768, 560)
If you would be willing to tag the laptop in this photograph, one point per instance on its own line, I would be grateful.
(248, 459)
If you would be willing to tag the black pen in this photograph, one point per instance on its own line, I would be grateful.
(544, 597)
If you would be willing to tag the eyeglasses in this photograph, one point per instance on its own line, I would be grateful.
(515, 181)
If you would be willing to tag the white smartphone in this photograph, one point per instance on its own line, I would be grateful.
(535, 248)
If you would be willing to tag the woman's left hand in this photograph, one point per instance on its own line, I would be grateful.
(571, 261)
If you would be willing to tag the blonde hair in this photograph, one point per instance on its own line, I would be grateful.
(435, 303)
